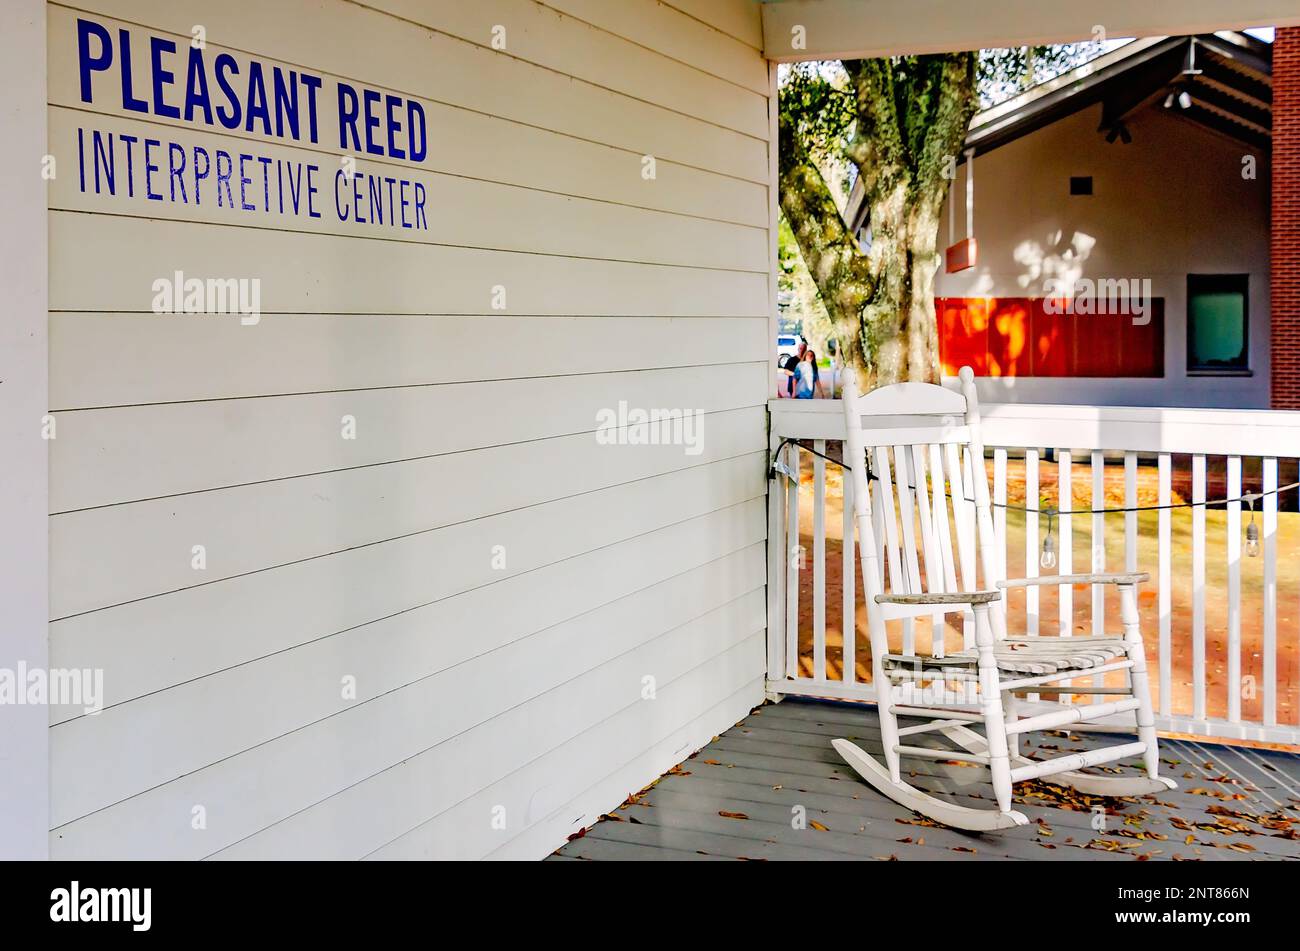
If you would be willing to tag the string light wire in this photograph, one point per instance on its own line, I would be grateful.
(1248, 498)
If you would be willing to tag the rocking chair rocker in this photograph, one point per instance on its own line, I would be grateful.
(933, 436)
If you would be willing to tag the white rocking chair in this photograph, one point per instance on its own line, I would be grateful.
(933, 435)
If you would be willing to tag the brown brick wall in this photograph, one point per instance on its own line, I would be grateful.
(1285, 333)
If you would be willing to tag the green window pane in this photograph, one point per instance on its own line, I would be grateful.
(1217, 326)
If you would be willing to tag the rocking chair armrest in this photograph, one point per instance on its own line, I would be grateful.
(945, 597)
(1119, 577)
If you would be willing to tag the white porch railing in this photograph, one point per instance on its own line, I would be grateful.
(1223, 630)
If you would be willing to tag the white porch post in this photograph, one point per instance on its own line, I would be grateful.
(24, 491)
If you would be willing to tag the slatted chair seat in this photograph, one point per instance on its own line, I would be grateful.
(1032, 655)
(925, 532)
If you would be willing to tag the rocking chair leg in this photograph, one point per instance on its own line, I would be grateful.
(1010, 716)
(1137, 677)
(994, 723)
(888, 724)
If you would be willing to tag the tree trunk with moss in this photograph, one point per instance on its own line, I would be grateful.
(909, 119)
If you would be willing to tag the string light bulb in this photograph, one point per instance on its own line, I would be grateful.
(1252, 530)
(1048, 557)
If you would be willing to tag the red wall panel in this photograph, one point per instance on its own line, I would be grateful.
(1009, 352)
(1018, 337)
(963, 334)
(1052, 341)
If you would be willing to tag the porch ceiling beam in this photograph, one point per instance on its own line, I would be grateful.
(1205, 79)
(1212, 94)
(1238, 82)
(1217, 122)
(855, 29)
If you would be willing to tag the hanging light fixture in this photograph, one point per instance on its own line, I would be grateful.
(962, 255)
(1252, 530)
(1048, 557)
(1181, 92)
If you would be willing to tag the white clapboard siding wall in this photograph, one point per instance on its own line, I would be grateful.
(536, 622)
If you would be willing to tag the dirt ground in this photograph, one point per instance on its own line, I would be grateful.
(1216, 602)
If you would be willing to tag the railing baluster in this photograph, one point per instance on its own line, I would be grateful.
(1065, 540)
(1098, 467)
(1269, 533)
(1064, 559)
(1198, 587)
(1130, 517)
(793, 558)
(819, 561)
(1234, 589)
(1165, 583)
(850, 577)
(1031, 539)
(1000, 514)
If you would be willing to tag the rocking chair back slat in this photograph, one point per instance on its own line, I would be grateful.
(885, 481)
(931, 552)
(961, 516)
(907, 483)
(942, 529)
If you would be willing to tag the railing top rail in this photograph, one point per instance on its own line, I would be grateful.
(1117, 428)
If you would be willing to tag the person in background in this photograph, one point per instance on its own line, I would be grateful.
(805, 377)
(818, 391)
(803, 349)
(785, 366)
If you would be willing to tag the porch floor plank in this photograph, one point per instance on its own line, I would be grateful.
(737, 799)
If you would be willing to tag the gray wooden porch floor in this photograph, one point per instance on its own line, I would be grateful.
(735, 800)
